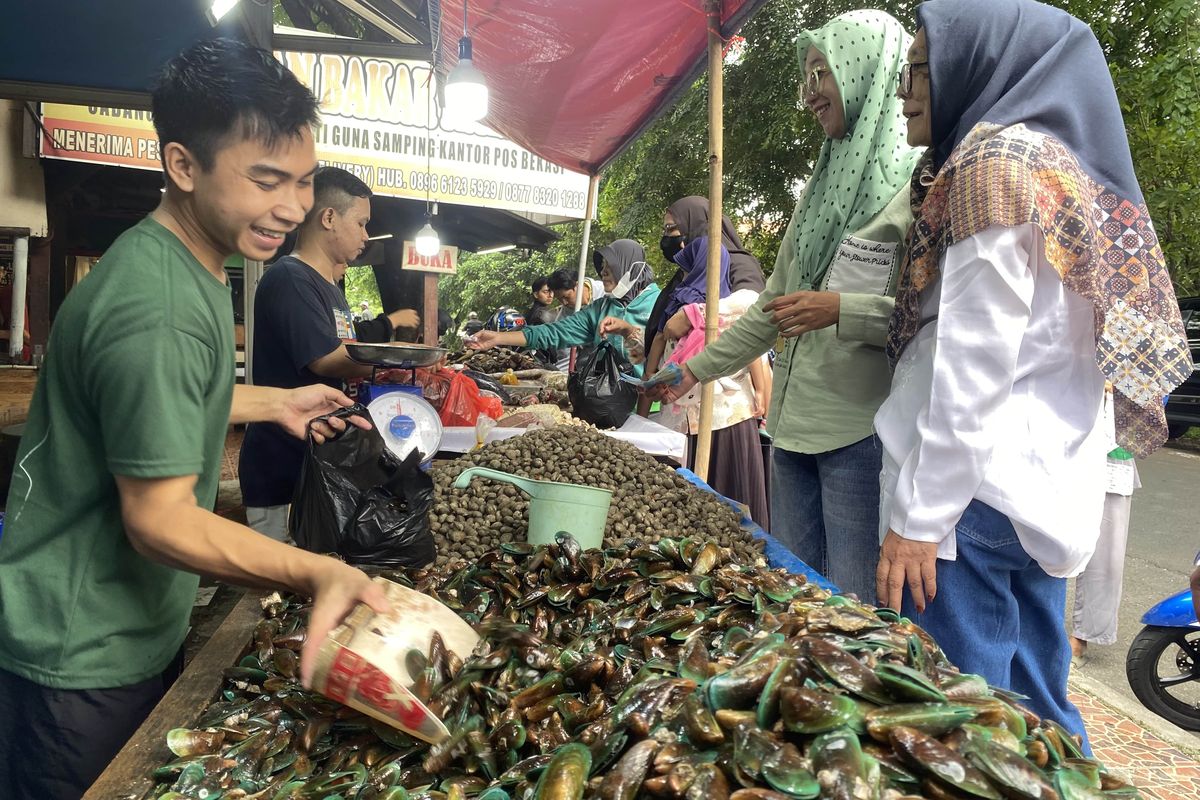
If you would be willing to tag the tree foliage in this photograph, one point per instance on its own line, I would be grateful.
(360, 285)
(1153, 49)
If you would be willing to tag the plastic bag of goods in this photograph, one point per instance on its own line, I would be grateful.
(598, 395)
(464, 403)
(356, 498)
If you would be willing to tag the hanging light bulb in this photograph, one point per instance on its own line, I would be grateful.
(427, 242)
(466, 88)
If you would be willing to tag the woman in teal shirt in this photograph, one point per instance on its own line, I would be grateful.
(622, 263)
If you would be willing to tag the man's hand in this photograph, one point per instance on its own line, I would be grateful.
(616, 327)
(484, 340)
(669, 394)
(336, 589)
(902, 562)
(405, 318)
(302, 405)
(800, 312)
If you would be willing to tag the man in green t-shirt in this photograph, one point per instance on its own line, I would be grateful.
(108, 517)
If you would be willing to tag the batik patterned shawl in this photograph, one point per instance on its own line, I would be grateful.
(1102, 245)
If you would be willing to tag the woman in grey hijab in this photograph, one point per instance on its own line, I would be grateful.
(630, 295)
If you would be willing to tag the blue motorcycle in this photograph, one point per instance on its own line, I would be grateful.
(1163, 663)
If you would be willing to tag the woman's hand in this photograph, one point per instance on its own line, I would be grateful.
(800, 312)
(669, 394)
(904, 562)
(678, 326)
(615, 326)
(762, 401)
(484, 340)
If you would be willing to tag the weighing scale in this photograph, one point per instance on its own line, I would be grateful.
(399, 411)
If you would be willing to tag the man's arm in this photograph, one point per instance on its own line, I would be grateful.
(164, 524)
(292, 409)
(404, 318)
(338, 364)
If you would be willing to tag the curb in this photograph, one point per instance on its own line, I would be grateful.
(1190, 445)
(1184, 741)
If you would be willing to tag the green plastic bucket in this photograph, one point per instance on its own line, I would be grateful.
(579, 510)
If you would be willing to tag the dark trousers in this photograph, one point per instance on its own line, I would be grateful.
(54, 743)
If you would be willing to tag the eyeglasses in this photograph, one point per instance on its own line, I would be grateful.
(906, 73)
(812, 81)
(671, 230)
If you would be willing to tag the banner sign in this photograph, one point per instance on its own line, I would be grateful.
(373, 115)
(444, 263)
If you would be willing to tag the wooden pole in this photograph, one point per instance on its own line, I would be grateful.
(429, 312)
(716, 146)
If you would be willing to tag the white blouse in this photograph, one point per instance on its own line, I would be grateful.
(998, 398)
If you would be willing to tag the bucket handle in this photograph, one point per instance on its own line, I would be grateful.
(524, 484)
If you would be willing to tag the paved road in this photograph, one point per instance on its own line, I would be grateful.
(1164, 535)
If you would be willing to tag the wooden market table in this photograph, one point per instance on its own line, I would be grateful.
(128, 776)
(16, 392)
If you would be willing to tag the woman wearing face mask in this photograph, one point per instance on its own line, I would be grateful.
(630, 293)
(1033, 273)
(737, 466)
(686, 220)
(830, 296)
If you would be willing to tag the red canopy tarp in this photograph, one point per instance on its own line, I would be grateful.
(575, 81)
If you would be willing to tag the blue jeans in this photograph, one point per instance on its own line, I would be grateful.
(999, 615)
(825, 509)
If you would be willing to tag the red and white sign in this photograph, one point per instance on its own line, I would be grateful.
(444, 263)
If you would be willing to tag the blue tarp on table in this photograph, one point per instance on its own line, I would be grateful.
(776, 554)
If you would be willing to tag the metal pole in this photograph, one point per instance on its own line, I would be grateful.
(251, 274)
(16, 319)
(584, 252)
(716, 144)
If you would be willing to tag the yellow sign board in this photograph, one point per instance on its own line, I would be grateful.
(374, 119)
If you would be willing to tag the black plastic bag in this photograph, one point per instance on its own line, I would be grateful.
(356, 498)
(489, 384)
(597, 393)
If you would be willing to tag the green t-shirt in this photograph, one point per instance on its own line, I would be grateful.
(138, 381)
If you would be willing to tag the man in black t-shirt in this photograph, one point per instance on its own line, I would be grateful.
(301, 324)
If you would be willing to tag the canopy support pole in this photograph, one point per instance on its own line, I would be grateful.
(593, 190)
(252, 273)
(716, 146)
(16, 316)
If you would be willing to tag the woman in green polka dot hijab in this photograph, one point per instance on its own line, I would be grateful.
(865, 160)
(830, 298)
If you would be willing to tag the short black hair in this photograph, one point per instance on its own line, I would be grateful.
(563, 279)
(540, 283)
(220, 87)
(334, 187)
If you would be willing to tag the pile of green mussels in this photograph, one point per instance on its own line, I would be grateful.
(663, 671)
